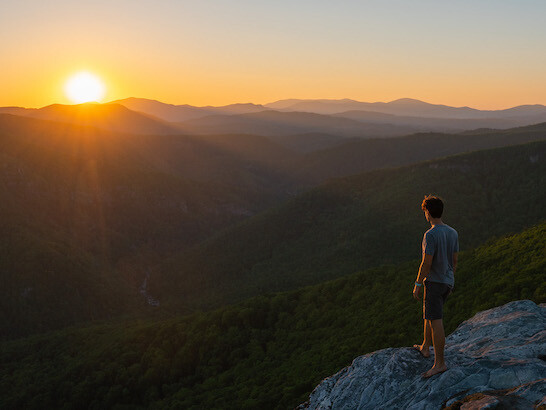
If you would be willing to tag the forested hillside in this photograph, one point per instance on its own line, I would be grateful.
(85, 212)
(359, 155)
(89, 214)
(268, 352)
(358, 222)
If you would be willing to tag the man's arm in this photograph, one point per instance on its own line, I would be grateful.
(424, 270)
(455, 259)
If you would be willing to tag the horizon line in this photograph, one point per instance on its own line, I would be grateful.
(116, 101)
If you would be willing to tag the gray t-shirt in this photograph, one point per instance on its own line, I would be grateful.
(441, 241)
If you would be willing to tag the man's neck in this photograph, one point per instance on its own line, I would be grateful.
(436, 221)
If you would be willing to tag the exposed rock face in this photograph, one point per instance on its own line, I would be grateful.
(497, 359)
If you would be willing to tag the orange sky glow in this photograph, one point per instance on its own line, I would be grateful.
(487, 55)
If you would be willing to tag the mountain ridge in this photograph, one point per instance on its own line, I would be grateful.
(110, 117)
(410, 107)
(396, 118)
(342, 225)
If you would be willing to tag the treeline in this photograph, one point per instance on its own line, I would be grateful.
(268, 352)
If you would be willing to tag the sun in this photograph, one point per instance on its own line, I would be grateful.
(84, 87)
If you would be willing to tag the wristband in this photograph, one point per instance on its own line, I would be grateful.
(418, 284)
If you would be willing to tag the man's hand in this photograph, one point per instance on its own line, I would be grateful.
(424, 270)
(416, 292)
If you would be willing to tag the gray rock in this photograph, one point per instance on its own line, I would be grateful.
(496, 358)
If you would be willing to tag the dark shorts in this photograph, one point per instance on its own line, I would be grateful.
(436, 294)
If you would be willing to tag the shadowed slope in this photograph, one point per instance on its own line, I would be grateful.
(86, 212)
(357, 156)
(347, 225)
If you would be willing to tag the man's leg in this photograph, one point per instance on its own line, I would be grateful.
(438, 341)
(424, 348)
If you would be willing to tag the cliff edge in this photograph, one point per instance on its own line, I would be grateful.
(497, 359)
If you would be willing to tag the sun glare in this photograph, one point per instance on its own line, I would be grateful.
(84, 87)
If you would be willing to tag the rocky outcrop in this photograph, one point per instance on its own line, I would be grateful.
(497, 359)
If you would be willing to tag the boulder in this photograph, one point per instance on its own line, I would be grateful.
(497, 359)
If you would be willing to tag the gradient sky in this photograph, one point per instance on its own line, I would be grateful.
(486, 54)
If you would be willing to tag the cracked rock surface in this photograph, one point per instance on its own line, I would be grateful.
(494, 359)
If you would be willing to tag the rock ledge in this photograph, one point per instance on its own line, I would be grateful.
(495, 359)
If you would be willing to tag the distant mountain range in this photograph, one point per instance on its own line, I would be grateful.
(407, 107)
(178, 113)
(394, 118)
(282, 124)
(290, 122)
(109, 117)
(404, 107)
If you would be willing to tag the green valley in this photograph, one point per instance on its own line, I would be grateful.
(269, 351)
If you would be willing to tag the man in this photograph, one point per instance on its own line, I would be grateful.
(440, 250)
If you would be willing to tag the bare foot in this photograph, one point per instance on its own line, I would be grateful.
(435, 370)
(424, 352)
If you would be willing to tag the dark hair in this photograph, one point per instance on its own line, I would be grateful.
(433, 205)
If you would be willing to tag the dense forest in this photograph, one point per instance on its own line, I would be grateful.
(358, 222)
(267, 352)
(93, 218)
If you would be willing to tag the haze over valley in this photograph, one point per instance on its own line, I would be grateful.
(136, 199)
(117, 214)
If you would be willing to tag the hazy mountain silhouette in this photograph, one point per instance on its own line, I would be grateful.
(410, 107)
(310, 141)
(287, 103)
(274, 123)
(403, 106)
(16, 110)
(178, 113)
(432, 124)
(396, 118)
(111, 117)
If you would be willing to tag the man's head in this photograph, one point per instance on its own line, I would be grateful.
(433, 205)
